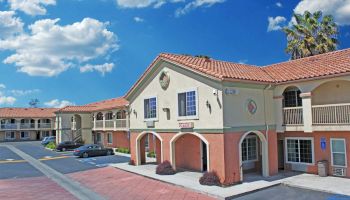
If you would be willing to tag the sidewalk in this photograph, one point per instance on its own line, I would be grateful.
(190, 180)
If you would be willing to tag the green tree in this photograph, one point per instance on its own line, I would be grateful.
(311, 34)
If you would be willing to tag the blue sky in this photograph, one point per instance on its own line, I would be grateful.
(99, 48)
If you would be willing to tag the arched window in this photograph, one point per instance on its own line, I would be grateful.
(99, 116)
(109, 116)
(121, 114)
(292, 97)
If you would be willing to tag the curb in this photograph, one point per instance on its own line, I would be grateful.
(252, 191)
(313, 189)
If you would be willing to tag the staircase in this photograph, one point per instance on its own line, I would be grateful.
(77, 136)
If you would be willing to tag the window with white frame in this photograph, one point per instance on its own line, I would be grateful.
(187, 103)
(292, 98)
(24, 134)
(338, 149)
(109, 138)
(10, 135)
(150, 108)
(299, 150)
(249, 149)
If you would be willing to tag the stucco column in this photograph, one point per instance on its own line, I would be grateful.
(115, 121)
(279, 113)
(104, 120)
(94, 119)
(307, 111)
(36, 124)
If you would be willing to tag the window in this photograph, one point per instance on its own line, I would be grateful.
(338, 152)
(187, 104)
(150, 108)
(292, 98)
(10, 136)
(24, 134)
(300, 150)
(109, 138)
(45, 133)
(109, 116)
(249, 149)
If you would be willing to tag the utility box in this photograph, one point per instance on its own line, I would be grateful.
(322, 168)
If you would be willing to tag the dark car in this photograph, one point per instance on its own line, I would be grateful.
(47, 140)
(68, 145)
(90, 150)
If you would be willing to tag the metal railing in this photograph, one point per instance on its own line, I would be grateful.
(293, 116)
(331, 114)
(9, 126)
(27, 126)
(44, 125)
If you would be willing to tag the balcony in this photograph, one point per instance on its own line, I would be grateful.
(99, 124)
(9, 126)
(117, 124)
(44, 125)
(27, 125)
(324, 117)
(109, 124)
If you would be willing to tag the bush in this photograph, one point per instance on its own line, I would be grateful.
(123, 150)
(151, 154)
(131, 162)
(210, 178)
(165, 168)
(51, 145)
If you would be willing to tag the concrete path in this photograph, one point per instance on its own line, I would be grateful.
(73, 187)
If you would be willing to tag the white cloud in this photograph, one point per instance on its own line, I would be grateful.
(135, 3)
(103, 69)
(340, 9)
(9, 24)
(49, 49)
(276, 23)
(2, 86)
(24, 92)
(279, 4)
(138, 19)
(196, 4)
(31, 7)
(55, 103)
(7, 100)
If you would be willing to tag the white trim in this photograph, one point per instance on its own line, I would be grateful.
(172, 148)
(157, 108)
(191, 117)
(346, 160)
(256, 148)
(300, 138)
(265, 153)
(109, 133)
(138, 148)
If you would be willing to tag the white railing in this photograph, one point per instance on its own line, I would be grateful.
(121, 123)
(99, 124)
(109, 124)
(27, 126)
(9, 126)
(331, 114)
(44, 125)
(293, 116)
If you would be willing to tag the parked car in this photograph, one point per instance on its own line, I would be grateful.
(47, 140)
(90, 150)
(68, 145)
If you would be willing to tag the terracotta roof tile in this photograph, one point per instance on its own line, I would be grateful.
(27, 112)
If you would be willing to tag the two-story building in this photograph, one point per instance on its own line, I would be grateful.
(18, 124)
(210, 115)
(105, 122)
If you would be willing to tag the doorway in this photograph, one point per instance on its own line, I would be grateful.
(204, 157)
(38, 135)
(281, 154)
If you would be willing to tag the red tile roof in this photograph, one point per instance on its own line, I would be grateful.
(323, 65)
(97, 106)
(27, 112)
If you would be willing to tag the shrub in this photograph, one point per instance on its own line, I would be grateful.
(151, 154)
(165, 168)
(51, 145)
(210, 178)
(131, 162)
(123, 150)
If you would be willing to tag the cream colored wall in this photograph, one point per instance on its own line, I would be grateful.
(180, 79)
(2, 135)
(236, 113)
(333, 92)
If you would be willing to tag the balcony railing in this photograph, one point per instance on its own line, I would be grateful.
(337, 114)
(27, 125)
(121, 123)
(99, 124)
(109, 124)
(8, 126)
(44, 125)
(293, 116)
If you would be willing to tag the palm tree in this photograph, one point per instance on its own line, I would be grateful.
(311, 35)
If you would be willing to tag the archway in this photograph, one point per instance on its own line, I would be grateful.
(204, 155)
(246, 154)
(140, 147)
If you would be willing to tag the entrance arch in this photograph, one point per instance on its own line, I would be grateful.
(179, 135)
(138, 145)
(264, 152)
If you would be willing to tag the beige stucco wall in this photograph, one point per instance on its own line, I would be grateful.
(180, 80)
(2, 135)
(333, 92)
(236, 113)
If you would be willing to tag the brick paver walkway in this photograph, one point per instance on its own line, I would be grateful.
(117, 184)
(32, 188)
